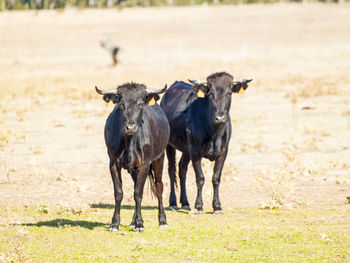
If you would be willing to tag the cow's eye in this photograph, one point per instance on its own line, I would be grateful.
(141, 103)
(121, 106)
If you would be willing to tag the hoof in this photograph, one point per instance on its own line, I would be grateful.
(218, 212)
(173, 208)
(199, 212)
(186, 207)
(132, 227)
(164, 226)
(139, 229)
(113, 229)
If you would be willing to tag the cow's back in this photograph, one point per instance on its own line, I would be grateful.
(175, 103)
(176, 99)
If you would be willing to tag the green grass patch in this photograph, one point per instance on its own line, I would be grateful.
(56, 234)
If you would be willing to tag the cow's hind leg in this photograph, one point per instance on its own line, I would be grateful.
(115, 170)
(219, 164)
(171, 152)
(183, 164)
(157, 167)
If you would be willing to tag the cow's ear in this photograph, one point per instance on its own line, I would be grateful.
(200, 90)
(111, 97)
(240, 86)
(151, 99)
(237, 88)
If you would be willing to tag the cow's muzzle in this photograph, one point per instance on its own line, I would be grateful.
(130, 129)
(220, 119)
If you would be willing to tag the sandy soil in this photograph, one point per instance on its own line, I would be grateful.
(290, 142)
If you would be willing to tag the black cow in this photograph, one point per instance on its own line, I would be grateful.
(200, 126)
(136, 134)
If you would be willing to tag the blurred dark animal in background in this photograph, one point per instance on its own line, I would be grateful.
(111, 48)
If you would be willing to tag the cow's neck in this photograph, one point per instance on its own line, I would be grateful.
(216, 142)
(216, 130)
(216, 133)
(132, 154)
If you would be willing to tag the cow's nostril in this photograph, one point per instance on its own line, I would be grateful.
(220, 118)
(131, 127)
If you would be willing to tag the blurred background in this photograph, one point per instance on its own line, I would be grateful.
(290, 145)
(61, 4)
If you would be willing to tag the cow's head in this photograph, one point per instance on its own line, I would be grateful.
(131, 99)
(218, 88)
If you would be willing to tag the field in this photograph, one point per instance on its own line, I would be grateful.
(285, 187)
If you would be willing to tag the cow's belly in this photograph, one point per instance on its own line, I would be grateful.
(177, 143)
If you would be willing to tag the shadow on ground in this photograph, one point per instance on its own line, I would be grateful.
(123, 207)
(62, 223)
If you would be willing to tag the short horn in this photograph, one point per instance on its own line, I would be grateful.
(197, 82)
(157, 91)
(104, 92)
(235, 81)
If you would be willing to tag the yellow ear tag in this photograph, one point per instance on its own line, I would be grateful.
(152, 102)
(200, 94)
(241, 91)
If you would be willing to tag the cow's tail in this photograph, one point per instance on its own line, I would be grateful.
(152, 180)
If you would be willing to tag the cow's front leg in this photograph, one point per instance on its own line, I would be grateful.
(115, 170)
(137, 222)
(197, 166)
(219, 164)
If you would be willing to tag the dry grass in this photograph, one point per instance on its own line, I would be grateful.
(5, 168)
(5, 136)
(289, 144)
(338, 164)
(279, 182)
(52, 120)
(318, 87)
(36, 149)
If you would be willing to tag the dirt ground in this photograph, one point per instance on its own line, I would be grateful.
(290, 143)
